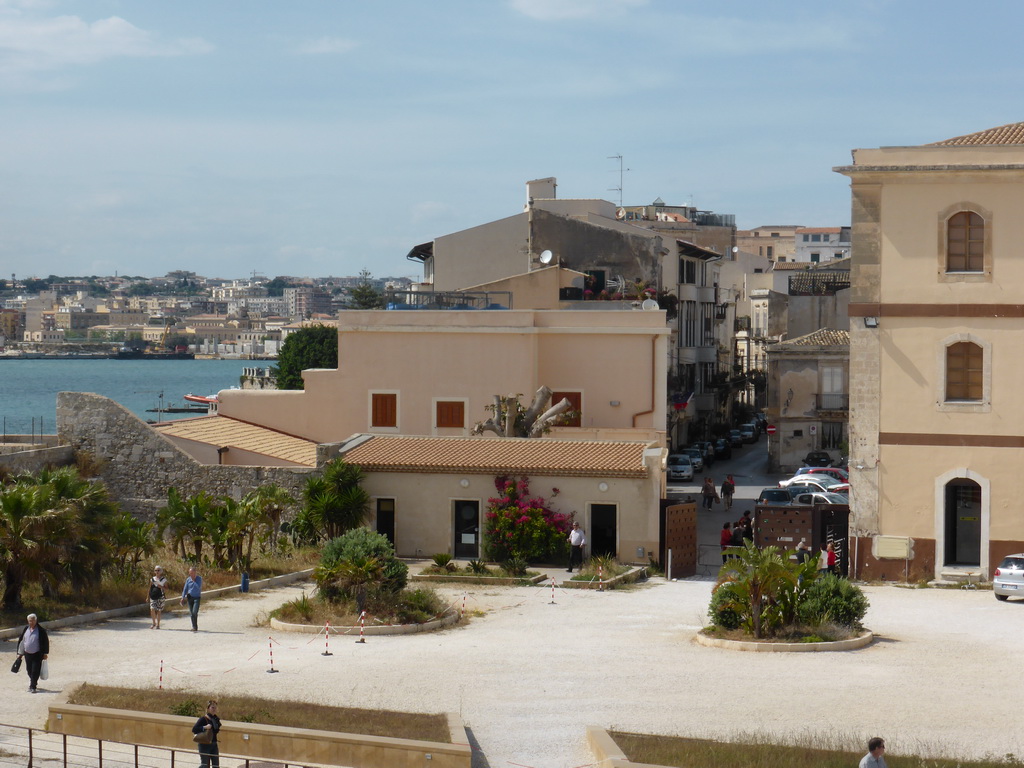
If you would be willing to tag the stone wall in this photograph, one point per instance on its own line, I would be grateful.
(33, 459)
(139, 465)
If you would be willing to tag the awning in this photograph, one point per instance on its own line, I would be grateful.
(421, 252)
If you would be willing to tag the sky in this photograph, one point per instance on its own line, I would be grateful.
(324, 137)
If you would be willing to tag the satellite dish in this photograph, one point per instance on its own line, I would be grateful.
(546, 256)
(620, 214)
(649, 304)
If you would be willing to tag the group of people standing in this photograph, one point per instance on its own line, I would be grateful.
(735, 534)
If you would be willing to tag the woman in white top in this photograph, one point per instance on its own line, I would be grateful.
(157, 592)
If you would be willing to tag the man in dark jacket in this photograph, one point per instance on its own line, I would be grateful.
(34, 645)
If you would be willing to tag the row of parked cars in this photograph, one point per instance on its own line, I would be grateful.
(810, 485)
(684, 464)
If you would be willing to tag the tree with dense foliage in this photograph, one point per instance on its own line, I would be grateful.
(186, 520)
(521, 526)
(333, 503)
(315, 346)
(276, 286)
(357, 564)
(364, 295)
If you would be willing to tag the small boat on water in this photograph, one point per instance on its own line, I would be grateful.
(202, 399)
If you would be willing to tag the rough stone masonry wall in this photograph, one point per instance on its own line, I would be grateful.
(139, 465)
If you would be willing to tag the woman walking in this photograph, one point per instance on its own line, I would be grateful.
(725, 539)
(728, 489)
(709, 493)
(209, 754)
(157, 595)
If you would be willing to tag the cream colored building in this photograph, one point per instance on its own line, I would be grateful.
(435, 372)
(936, 427)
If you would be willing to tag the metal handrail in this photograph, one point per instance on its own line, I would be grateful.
(23, 746)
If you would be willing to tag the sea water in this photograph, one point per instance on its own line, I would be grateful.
(28, 388)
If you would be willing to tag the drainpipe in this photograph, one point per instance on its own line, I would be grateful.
(654, 351)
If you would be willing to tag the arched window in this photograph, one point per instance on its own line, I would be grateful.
(965, 364)
(965, 242)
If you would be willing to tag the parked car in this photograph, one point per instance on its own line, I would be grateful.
(696, 458)
(679, 467)
(723, 448)
(748, 432)
(775, 496)
(707, 451)
(735, 438)
(818, 459)
(819, 497)
(819, 482)
(840, 474)
(1008, 580)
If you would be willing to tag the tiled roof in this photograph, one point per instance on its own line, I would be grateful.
(1003, 135)
(495, 456)
(819, 230)
(223, 431)
(790, 265)
(823, 337)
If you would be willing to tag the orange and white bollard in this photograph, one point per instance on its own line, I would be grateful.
(600, 578)
(327, 639)
(271, 642)
(161, 687)
(552, 591)
(362, 625)
(463, 615)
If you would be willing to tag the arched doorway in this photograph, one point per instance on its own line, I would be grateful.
(962, 522)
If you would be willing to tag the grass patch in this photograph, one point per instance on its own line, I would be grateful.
(251, 709)
(118, 591)
(817, 752)
(598, 568)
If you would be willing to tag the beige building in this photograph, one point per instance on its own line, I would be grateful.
(775, 243)
(936, 431)
(435, 373)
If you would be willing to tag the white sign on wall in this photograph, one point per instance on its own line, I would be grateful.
(813, 429)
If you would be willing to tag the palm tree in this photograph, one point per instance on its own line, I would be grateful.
(272, 501)
(335, 502)
(351, 577)
(186, 519)
(758, 577)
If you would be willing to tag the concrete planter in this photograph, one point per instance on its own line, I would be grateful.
(629, 577)
(748, 645)
(447, 620)
(505, 581)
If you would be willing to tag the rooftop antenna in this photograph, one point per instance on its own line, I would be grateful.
(622, 170)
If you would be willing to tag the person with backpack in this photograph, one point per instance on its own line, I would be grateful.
(157, 594)
(728, 489)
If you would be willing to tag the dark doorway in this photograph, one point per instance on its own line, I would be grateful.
(604, 534)
(467, 529)
(963, 522)
(386, 519)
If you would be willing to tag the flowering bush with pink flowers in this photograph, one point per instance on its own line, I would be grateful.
(519, 525)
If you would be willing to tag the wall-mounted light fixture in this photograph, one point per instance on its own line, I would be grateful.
(870, 322)
(464, 483)
(614, 403)
(602, 487)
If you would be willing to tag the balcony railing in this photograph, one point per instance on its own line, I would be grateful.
(833, 402)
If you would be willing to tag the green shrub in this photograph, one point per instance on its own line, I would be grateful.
(514, 566)
(188, 708)
(478, 567)
(361, 544)
(724, 610)
(833, 599)
(418, 606)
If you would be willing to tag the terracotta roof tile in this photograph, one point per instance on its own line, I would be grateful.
(221, 430)
(823, 337)
(495, 456)
(1004, 135)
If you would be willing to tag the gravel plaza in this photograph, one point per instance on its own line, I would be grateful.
(527, 676)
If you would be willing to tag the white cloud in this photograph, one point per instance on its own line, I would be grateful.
(325, 45)
(33, 44)
(559, 10)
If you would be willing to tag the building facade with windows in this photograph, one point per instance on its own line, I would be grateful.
(816, 245)
(936, 317)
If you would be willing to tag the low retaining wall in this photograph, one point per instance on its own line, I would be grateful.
(500, 581)
(18, 459)
(266, 742)
(373, 629)
(607, 751)
(747, 645)
(142, 609)
(628, 577)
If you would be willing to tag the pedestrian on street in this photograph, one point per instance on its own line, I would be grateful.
(728, 489)
(875, 758)
(157, 595)
(709, 493)
(209, 754)
(726, 540)
(193, 592)
(576, 542)
(34, 645)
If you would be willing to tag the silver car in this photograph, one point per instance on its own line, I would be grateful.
(679, 467)
(696, 458)
(1008, 580)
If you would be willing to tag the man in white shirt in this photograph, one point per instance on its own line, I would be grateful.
(576, 542)
(875, 758)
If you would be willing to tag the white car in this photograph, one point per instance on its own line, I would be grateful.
(1008, 579)
(679, 467)
(820, 497)
(818, 482)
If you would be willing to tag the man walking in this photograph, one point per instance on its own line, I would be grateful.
(34, 645)
(193, 591)
(576, 542)
(875, 758)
